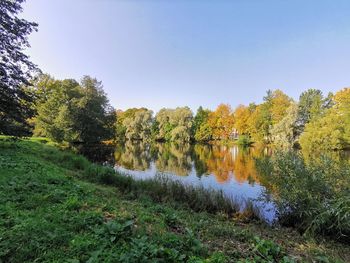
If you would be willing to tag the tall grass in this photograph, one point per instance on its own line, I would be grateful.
(313, 196)
(162, 189)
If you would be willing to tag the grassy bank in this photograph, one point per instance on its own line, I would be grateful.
(58, 207)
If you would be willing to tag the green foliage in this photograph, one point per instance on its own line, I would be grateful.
(244, 140)
(134, 124)
(311, 106)
(48, 214)
(285, 133)
(312, 196)
(268, 251)
(15, 69)
(201, 131)
(162, 189)
(204, 133)
(331, 130)
(267, 114)
(174, 124)
(71, 112)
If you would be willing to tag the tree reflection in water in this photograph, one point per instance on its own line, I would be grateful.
(222, 162)
(133, 155)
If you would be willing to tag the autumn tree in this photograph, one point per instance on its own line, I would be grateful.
(221, 122)
(241, 115)
(267, 114)
(279, 103)
(15, 69)
(260, 123)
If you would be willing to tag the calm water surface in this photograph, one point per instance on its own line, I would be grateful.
(230, 169)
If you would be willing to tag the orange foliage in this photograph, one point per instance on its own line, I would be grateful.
(221, 122)
(241, 116)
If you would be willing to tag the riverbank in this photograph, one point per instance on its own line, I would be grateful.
(57, 206)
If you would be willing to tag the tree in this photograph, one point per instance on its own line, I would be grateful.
(15, 68)
(330, 131)
(54, 102)
(200, 129)
(204, 133)
(121, 116)
(174, 124)
(280, 102)
(241, 116)
(342, 108)
(312, 105)
(284, 134)
(73, 112)
(93, 116)
(221, 122)
(260, 123)
(267, 114)
(139, 126)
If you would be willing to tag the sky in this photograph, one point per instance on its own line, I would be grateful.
(166, 53)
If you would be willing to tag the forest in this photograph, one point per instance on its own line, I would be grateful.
(79, 112)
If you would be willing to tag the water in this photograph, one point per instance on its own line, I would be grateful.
(227, 168)
(230, 169)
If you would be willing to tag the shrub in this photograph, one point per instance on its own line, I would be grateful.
(313, 196)
(244, 140)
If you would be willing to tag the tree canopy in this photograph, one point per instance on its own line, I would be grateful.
(331, 130)
(73, 112)
(16, 69)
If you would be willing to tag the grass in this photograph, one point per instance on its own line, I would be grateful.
(54, 209)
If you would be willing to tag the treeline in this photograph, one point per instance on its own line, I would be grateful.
(79, 112)
(315, 121)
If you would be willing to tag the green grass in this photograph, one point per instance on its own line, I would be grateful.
(53, 208)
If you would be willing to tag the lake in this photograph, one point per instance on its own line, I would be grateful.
(230, 169)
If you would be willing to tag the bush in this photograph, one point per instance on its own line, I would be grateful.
(313, 196)
(244, 140)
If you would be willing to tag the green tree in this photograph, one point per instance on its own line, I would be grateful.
(204, 133)
(73, 112)
(15, 69)
(312, 105)
(139, 126)
(284, 134)
(93, 116)
(121, 116)
(201, 131)
(267, 114)
(330, 131)
(174, 124)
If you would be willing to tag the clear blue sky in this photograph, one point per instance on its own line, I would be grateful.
(174, 53)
